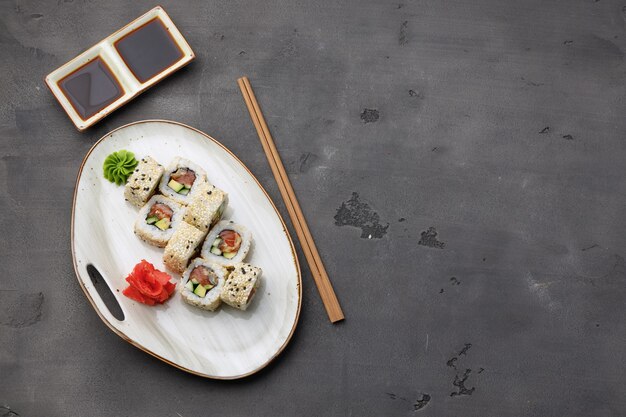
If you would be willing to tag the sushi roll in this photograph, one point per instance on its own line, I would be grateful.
(182, 246)
(143, 181)
(241, 285)
(181, 179)
(206, 206)
(227, 244)
(158, 219)
(202, 283)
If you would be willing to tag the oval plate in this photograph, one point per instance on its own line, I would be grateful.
(228, 343)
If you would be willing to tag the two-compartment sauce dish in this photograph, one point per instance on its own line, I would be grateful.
(120, 67)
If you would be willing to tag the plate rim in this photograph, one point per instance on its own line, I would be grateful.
(122, 334)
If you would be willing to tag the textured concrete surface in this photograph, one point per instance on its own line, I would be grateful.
(461, 165)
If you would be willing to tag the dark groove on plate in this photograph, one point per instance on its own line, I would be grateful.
(105, 292)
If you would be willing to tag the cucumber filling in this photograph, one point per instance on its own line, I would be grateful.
(182, 180)
(176, 186)
(206, 280)
(200, 291)
(227, 244)
(163, 224)
(160, 216)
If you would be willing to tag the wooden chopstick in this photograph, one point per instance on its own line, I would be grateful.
(325, 288)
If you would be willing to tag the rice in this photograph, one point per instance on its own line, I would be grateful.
(241, 285)
(206, 206)
(165, 184)
(213, 253)
(211, 300)
(181, 247)
(152, 233)
(143, 181)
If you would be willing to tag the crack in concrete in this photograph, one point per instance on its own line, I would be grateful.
(429, 239)
(19, 309)
(459, 382)
(421, 402)
(370, 115)
(358, 214)
(452, 362)
(7, 412)
(402, 37)
(306, 160)
(465, 349)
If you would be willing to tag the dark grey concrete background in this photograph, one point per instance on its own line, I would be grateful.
(485, 140)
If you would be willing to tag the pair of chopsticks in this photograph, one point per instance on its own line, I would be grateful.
(325, 288)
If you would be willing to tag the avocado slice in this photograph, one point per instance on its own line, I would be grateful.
(151, 220)
(175, 185)
(189, 285)
(217, 242)
(229, 255)
(200, 291)
(184, 191)
(216, 251)
(208, 287)
(163, 224)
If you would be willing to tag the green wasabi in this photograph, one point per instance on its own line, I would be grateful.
(118, 166)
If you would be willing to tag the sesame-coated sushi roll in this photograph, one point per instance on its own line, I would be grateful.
(181, 179)
(181, 247)
(206, 207)
(201, 284)
(227, 244)
(241, 285)
(143, 181)
(158, 219)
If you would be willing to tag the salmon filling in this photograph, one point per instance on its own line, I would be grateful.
(160, 215)
(184, 176)
(201, 280)
(252, 291)
(182, 180)
(227, 244)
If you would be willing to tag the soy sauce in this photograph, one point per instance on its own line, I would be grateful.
(149, 50)
(91, 88)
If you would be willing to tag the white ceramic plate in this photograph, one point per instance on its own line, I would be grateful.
(226, 344)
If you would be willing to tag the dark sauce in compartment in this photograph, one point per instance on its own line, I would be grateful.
(91, 88)
(149, 50)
